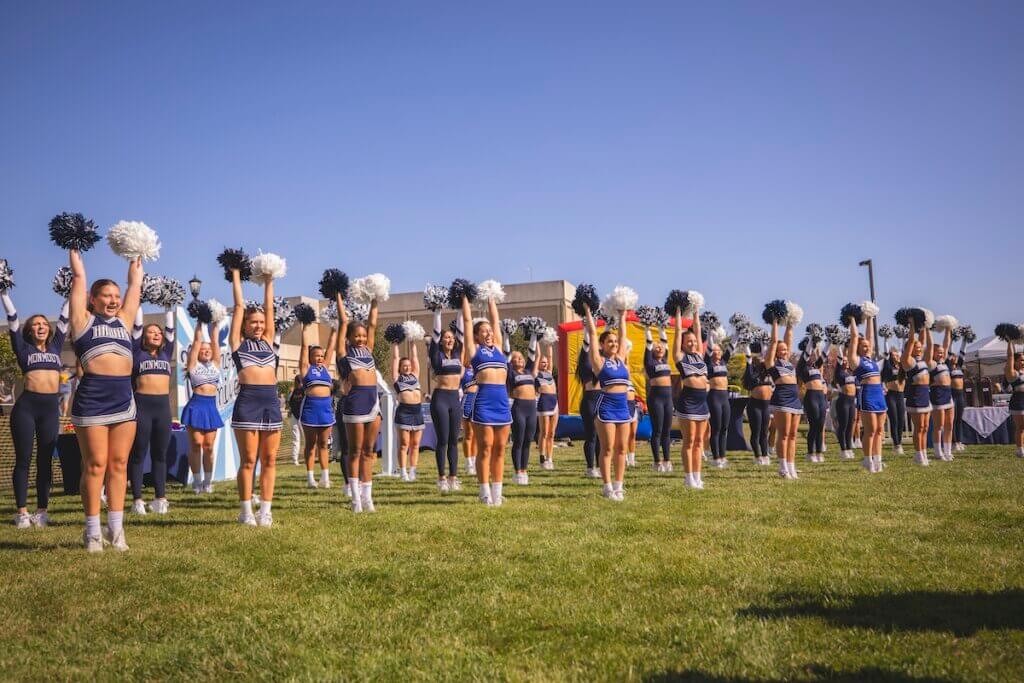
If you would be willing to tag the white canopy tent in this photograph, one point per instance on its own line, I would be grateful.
(987, 349)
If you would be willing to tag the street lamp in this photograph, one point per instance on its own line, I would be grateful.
(871, 286)
(193, 285)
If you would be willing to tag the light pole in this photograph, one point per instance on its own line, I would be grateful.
(193, 285)
(871, 286)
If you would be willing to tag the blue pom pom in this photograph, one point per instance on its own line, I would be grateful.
(851, 312)
(775, 311)
(235, 259)
(332, 283)
(585, 297)
(73, 231)
(394, 334)
(460, 289)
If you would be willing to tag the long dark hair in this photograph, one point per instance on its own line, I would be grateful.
(142, 341)
(26, 332)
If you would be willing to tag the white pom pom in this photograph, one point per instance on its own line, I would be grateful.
(413, 330)
(695, 300)
(929, 319)
(720, 333)
(946, 322)
(365, 290)
(622, 298)
(794, 313)
(550, 335)
(134, 239)
(217, 311)
(869, 308)
(329, 315)
(267, 267)
(490, 290)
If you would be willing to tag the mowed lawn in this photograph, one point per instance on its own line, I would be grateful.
(912, 575)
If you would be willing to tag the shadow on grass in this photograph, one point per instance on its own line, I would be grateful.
(963, 614)
(814, 673)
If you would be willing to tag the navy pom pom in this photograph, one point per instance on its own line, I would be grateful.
(73, 231)
(62, 281)
(459, 289)
(230, 259)
(815, 332)
(332, 283)
(675, 302)
(305, 314)
(1008, 332)
(395, 333)
(585, 297)
(775, 311)
(905, 315)
(200, 310)
(709, 320)
(851, 312)
(6, 276)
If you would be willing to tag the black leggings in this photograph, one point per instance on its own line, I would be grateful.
(446, 414)
(35, 417)
(524, 424)
(341, 434)
(760, 418)
(659, 407)
(846, 413)
(896, 410)
(815, 406)
(152, 433)
(588, 412)
(958, 415)
(721, 413)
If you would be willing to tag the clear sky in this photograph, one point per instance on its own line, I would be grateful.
(751, 150)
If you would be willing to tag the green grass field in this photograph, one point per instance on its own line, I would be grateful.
(912, 575)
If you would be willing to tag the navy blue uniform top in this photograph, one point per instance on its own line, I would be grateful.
(545, 379)
(408, 382)
(939, 370)
(893, 372)
(520, 379)
(254, 353)
(146, 363)
(719, 369)
(355, 358)
(756, 376)
(843, 377)
(103, 335)
(442, 363)
(782, 368)
(656, 368)
(29, 356)
(692, 365)
(317, 376)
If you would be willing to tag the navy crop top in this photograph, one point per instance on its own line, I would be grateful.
(355, 358)
(254, 353)
(103, 335)
(30, 358)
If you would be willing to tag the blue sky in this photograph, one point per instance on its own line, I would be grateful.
(749, 150)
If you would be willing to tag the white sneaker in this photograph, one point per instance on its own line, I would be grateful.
(115, 541)
(524, 479)
(609, 493)
(657, 467)
(620, 495)
(40, 519)
(412, 474)
(347, 491)
(22, 520)
(549, 464)
(442, 486)
(311, 484)
(265, 519)
(368, 504)
(496, 502)
(357, 502)
(197, 487)
(454, 484)
(791, 468)
(783, 469)
(247, 518)
(93, 544)
(325, 483)
(471, 466)
(867, 464)
(208, 488)
(668, 465)
(898, 450)
(811, 457)
(139, 507)
(485, 498)
(159, 506)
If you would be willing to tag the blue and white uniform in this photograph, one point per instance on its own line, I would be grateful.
(362, 403)
(547, 403)
(469, 389)
(408, 416)
(1017, 396)
(917, 395)
(613, 408)
(692, 403)
(102, 399)
(317, 411)
(491, 406)
(153, 418)
(201, 412)
(446, 407)
(786, 397)
(257, 406)
(872, 397)
(941, 395)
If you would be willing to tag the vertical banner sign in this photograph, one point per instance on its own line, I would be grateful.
(225, 465)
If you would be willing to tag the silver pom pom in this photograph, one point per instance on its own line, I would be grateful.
(621, 298)
(490, 290)
(217, 311)
(6, 276)
(508, 326)
(62, 282)
(929, 319)
(266, 267)
(869, 309)
(794, 313)
(945, 322)
(413, 330)
(365, 290)
(329, 314)
(435, 297)
(133, 240)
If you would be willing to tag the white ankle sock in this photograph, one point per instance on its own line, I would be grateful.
(607, 488)
(366, 490)
(496, 490)
(207, 479)
(92, 525)
(353, 484)
(325, 476)
(247, 507)
(115, 520)
(265, 507)
(309, 477)
(485, 491)
(617, 486)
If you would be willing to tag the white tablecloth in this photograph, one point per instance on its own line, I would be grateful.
(986, 420)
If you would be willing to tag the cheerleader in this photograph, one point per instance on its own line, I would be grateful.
(691, 407)
(717, 363)
(491, 416)
(469, 389)
(588, 405)
(103, 409)
(405, 377)
(361, 413)
(845, 407)
(316, 412)
(547, 407)
(956, 376)
(1014, 374)
(612, 411)
(758, 384)
(785, 399)
(201, 416)
(659, 398)
(808, 373)
(153, 349)
(36, 414)
(895, 380)
(918, 397)
(522, 387)
(635, 412)
(256, 419)
(871, 403)
(445, 353)
(294, 411)
(941, 395)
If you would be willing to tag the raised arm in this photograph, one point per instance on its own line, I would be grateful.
(341, 339)
(492, 312)
(596, 361)
(137, 327)
(415, 360)
(13, 324)
(214, 333)
(330, 351)
(371, 325)
(947, 340)
(436, 332)
(852, 359)
(269, 333)
(869, 329)
(168, 326)
(307, 340)
(532, 365)
(78, 300)
(1010, 371)
(929, 345)
(238, 313)
(395, 362)
(132, 300)
(677, 341)
(789, 336)
(769, 358)
(469, 347)
(908, 346)
(696, 326)
(193, 351)
(623, 337)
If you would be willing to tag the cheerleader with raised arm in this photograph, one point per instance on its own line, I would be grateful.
(361, 413)
(444, 350)
(956, 374)
(405, 378)
(316, 412)
(941, 390)
(718, 399)
(35, 418)
(845, 383)
(1013, 372)
(758, 384)
(692, 405)
(659, 397)
(859, 356)
(785, 398)
(200, 415)
(547, 404)
(894, 378)
(612, 412)
(808, 373)
(153, 350)
(586, 299)
(491, 415)
(522, 387)
(917, 348)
